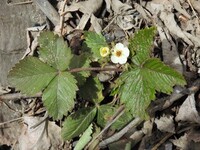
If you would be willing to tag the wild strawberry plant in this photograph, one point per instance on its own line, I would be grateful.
(66, 79)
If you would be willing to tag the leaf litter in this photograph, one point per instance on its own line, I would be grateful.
(176, 43)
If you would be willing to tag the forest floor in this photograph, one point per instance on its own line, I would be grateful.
(174, 119)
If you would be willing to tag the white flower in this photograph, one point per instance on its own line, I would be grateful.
(120, 54)
(104, 51)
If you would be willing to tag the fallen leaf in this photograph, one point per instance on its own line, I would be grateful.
(39, 138)
(165, 124)
(182, 142)
(188, 111)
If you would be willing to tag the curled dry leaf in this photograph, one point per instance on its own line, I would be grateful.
(124, 14)
(4, 90)
(88, 8)
(147, 127)
(182, 142)
(188, 111)
(165, 124)
(163, 10)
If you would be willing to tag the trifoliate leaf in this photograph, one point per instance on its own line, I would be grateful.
(140, 45)
(54, 51)
(77, 123)
(80, 61)
(92, 90)
(59, 96)
(31, 75)
(105, 112)
(95, 41)
(85, 138)
(141, 84)
(123, 120)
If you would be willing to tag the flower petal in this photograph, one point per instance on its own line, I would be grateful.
(119, 46)
(114, 59)
(123, 60)
(126, 51)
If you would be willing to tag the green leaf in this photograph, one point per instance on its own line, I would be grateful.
(92, 90)
(31, 75)
(54, 51)
(77, 123)
(136, 93)
(85, 138)
(59, 96)
(105, 112)
(141, 44)
(80, 61)
(95, 41)
(160, 76)
(141, 84)
(122, 121)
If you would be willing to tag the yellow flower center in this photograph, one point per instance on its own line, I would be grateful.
(118, 53)
(104, 51)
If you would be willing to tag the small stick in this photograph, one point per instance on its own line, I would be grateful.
(62, 17)
(162, 141)
(174, 97)
(18, 3)
(10, 121)
(14, 96)
(177, 96)
(118, 135)
(40, 122)
(110, 22)
(189, 2)
(118, 113)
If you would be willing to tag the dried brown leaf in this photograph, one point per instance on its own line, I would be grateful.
(188, 111)
(182, 142)
(165, 124)
(39, 138)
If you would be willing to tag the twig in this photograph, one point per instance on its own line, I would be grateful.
(165, 103)
(48, 10)
(110, 23)
(162, 141)
(9, 107)
(62, 17)
(118, 135)
(95, 69)
(40, 122)
(115, 117)
(13, 120)
(173, 98)
(189, 2)
(9, 2)
(14, 96)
